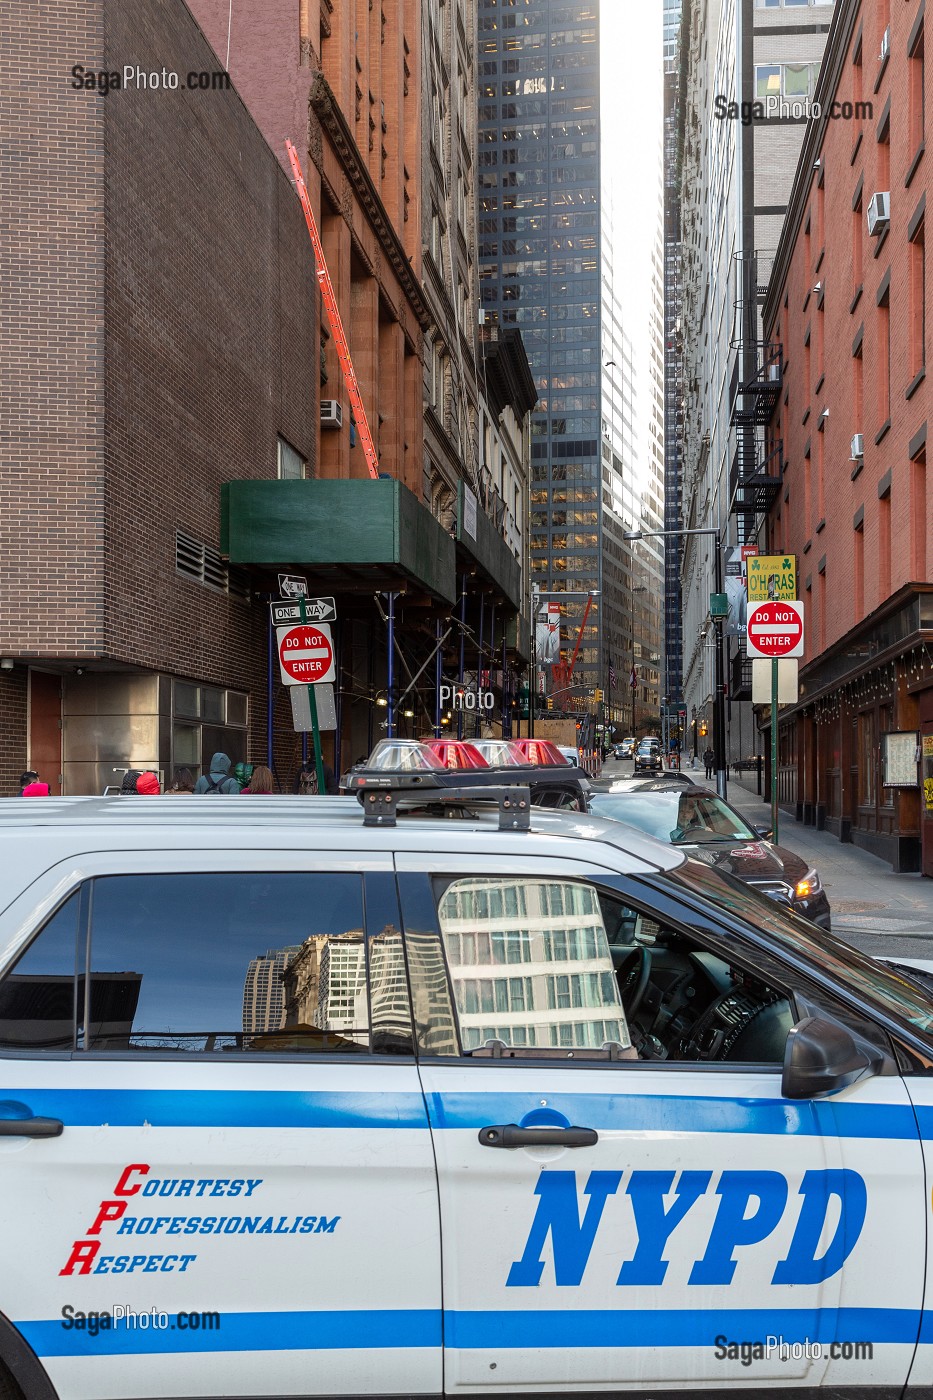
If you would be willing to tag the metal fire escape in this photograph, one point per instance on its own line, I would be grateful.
(758, 461)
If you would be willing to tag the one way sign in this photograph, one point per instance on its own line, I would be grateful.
(316, 610)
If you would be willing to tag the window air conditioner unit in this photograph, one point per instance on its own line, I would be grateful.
(331, 413)
(879, 212)
(858, 448)
(885, 45)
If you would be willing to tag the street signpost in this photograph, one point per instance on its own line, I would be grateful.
(301, 708)
(771, 576)
(306, 654)
(316, 610)
(293, 585)
(306, 657)
(775, 630)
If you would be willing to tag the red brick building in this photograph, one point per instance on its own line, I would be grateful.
(175, 426)
(159, 335)
(848, 302)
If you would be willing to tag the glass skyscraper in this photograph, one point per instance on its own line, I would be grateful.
(539, 243)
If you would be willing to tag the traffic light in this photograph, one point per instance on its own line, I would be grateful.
(598, 696)
(702, 728)
(550, 702)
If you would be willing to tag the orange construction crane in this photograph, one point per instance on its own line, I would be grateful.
(336, 325)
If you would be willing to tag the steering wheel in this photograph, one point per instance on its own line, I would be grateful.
(635, 985)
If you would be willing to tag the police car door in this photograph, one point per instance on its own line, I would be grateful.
(228, 1157)
(608, 1224)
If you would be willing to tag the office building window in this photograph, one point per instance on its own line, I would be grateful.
(291, 464)
(917, 311)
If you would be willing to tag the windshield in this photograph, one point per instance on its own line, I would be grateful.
(683, 818)
(875, 981)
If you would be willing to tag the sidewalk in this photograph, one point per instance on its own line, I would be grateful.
(866, 896)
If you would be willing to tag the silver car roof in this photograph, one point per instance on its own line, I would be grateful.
(51, 829)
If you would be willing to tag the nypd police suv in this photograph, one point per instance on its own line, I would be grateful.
(304, 1099)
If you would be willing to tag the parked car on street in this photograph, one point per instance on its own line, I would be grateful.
(695, 818)
(376, 1096)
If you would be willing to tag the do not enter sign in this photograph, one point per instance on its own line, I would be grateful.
(306, 654)
(775, 629)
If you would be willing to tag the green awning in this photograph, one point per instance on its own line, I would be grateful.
(349, 534)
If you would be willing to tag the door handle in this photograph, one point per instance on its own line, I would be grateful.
(31, 1127)
(511, 1135)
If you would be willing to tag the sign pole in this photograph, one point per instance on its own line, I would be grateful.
(315, 728)
(774, 750)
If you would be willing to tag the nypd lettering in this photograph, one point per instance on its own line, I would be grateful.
(132, 1181)
(750, 1207)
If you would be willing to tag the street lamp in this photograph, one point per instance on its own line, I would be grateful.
(719, 734)
(536, 595)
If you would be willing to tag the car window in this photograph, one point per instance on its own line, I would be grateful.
(558, 797)
(686, 1003)
(530, 966)
(701, 817)
(238, 963)
(678, 816)
(892, 993)
(570, 969)
(37, 996)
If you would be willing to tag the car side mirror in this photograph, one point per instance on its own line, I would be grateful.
(763, 830)
(822, 1057)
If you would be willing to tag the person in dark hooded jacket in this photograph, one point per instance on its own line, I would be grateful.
(218, 779)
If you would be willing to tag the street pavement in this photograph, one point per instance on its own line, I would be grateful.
(874, 908)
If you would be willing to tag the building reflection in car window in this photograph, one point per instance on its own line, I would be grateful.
(894, 994)
(531, 967)
(37, 997)
(240, 962)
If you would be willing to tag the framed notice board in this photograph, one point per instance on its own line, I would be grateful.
(900, 754)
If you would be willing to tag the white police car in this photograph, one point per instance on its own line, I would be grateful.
(298, 1106)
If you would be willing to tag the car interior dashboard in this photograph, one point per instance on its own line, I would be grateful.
(683, 1002)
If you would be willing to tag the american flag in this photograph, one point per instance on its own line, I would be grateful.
(612, 675)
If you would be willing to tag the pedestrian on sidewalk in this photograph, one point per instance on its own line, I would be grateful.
(218, 779)
(183, 784)
(262, 781)
(708, 759)
(306, 780)
(30, 786)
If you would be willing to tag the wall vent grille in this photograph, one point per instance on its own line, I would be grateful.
(206, 566)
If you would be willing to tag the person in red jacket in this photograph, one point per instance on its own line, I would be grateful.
(29, 785)
(262, 781)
